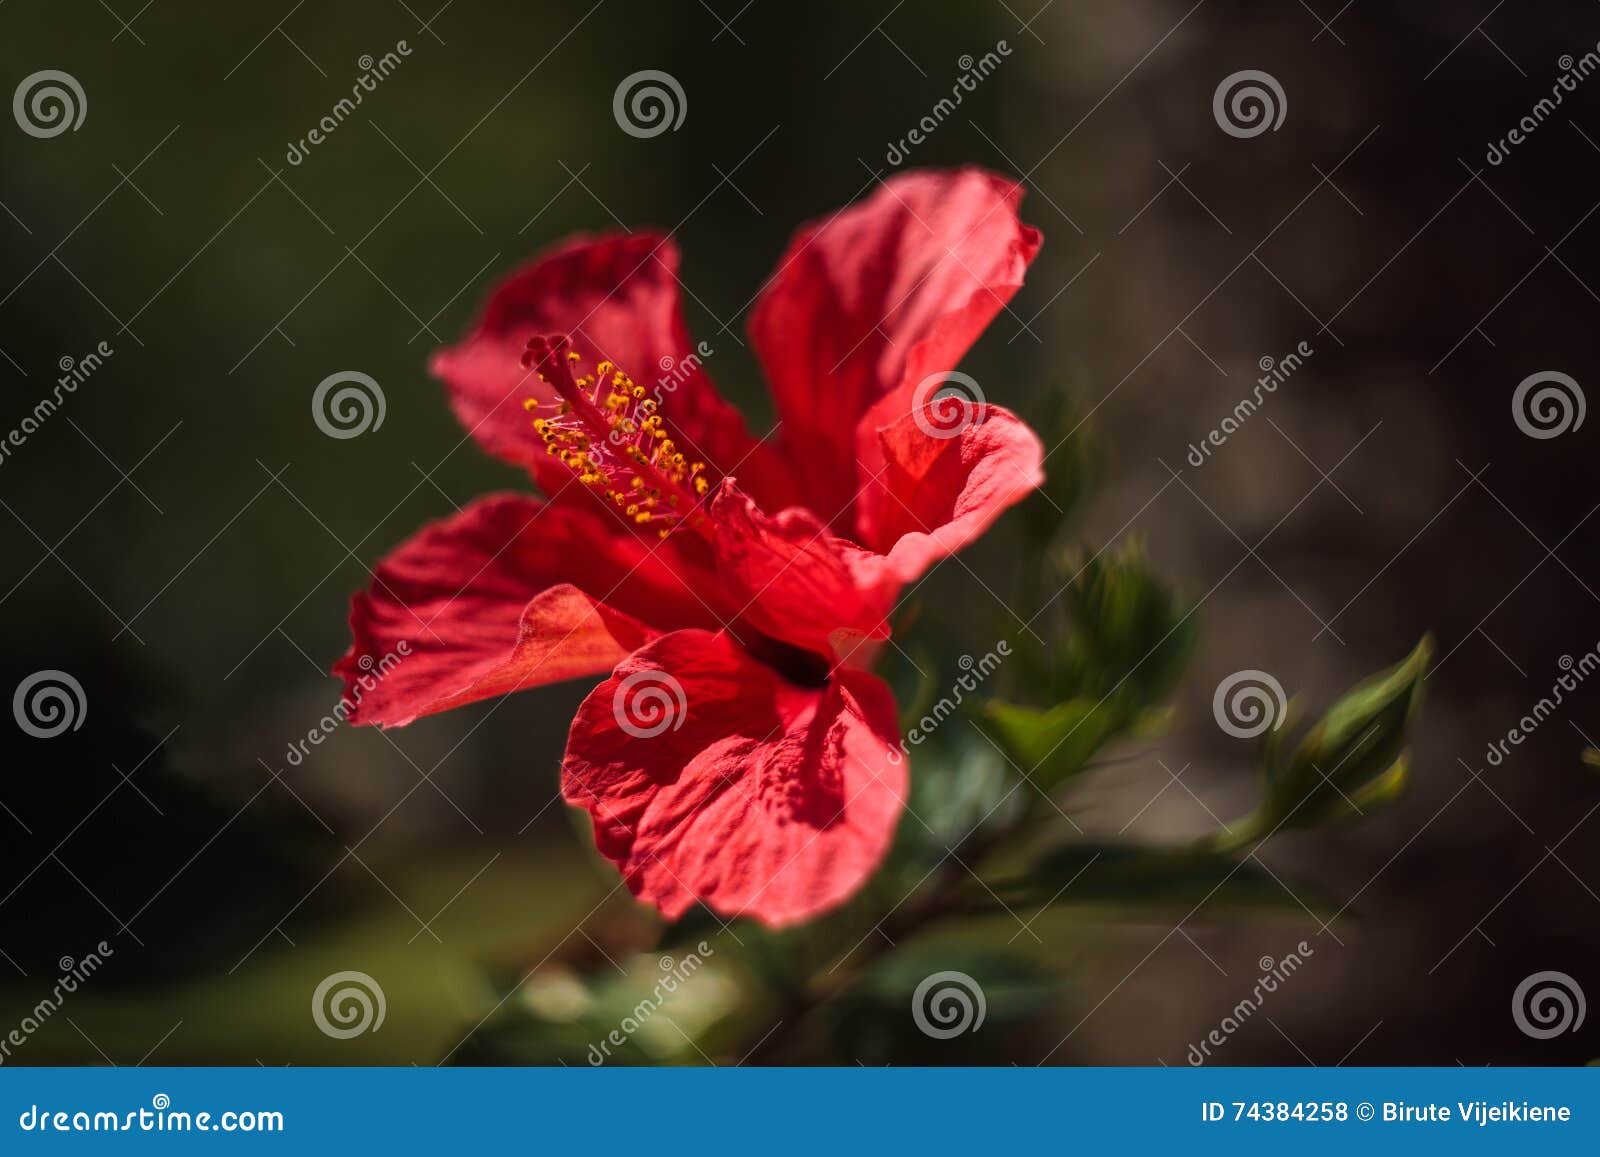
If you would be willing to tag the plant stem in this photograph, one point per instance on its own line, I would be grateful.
(898, 926)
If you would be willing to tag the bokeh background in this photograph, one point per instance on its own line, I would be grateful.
(183, 539)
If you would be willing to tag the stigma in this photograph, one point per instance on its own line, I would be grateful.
(608, 430)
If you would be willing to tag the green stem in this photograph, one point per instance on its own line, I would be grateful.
(944, 898)
(941, 899)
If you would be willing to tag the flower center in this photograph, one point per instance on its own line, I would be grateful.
(609, 431)
(799, 666)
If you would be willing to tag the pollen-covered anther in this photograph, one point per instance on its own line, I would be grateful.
(606, 428)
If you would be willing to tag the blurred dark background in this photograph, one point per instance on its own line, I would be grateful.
(182, 539)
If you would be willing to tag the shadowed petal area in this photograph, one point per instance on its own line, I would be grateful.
(875, 299)
(508, 594)
(950, 469)
(616, 296)
(710, 778)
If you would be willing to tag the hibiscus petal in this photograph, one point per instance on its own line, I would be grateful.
(949, 470)
(506, 595)
(710, 778)
(795, 580)
(617, 297)
(877, 298)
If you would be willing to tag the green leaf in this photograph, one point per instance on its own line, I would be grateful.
(1125, 877)
(1353, 753)
(1132, 636)
(1054, 745)
(961, 787)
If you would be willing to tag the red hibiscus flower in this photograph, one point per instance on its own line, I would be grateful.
(739, 753)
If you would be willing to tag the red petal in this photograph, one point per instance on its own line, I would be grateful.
(709, 778)
(616, 296)
(506, 595)
(950, 470)
(796, 581)
(874, 300)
